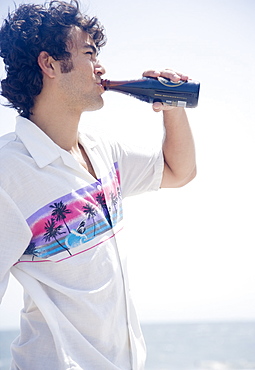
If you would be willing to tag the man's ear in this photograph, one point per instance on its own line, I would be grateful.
(46, 63)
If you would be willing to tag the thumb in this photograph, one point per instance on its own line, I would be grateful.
(157, 106)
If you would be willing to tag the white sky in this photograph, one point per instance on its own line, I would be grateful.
(191, 250)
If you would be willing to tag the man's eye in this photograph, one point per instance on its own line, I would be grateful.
(89, 52)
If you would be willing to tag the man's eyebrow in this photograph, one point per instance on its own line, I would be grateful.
(89, 46)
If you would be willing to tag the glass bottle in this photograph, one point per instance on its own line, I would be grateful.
(179, 94)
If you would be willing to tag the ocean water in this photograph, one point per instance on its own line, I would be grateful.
(200, 346)
(184, 346)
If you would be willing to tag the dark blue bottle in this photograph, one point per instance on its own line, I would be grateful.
(178, 94)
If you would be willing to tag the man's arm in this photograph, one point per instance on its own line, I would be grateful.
(178, 146)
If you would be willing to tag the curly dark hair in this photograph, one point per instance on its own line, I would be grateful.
(31, 29)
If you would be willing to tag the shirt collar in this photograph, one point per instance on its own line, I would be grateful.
(40, 146)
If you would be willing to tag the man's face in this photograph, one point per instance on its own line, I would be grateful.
(80, 77)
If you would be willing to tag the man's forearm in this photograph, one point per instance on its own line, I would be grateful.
(178, 149)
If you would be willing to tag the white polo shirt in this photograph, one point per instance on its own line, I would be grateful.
(61, 238)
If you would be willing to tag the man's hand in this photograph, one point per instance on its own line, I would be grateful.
(171, 75)
(178, 146)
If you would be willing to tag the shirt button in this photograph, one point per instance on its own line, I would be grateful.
(99, 187)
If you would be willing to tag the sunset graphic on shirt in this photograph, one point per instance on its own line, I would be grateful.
(76, 218)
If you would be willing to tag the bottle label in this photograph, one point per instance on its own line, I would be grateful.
(168, 83)
(182, 104)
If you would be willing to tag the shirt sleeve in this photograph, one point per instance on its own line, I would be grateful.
(141, 169)
(14, 239)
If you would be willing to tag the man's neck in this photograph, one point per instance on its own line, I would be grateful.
(61, 126)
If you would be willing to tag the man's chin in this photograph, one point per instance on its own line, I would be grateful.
(94, 106)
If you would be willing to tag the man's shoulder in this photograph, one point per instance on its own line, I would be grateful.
(6, 139)
(94, 137)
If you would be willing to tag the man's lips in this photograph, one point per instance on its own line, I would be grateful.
(101, 86)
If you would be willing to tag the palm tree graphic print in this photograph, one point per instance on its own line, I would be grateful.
(91, 212)
(60, 211)
(52, 231)
(75, 219)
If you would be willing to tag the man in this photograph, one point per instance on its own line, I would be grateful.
(61, 194)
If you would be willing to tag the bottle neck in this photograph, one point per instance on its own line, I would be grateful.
(109, 84)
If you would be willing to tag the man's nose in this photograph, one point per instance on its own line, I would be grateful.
(99, 69)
